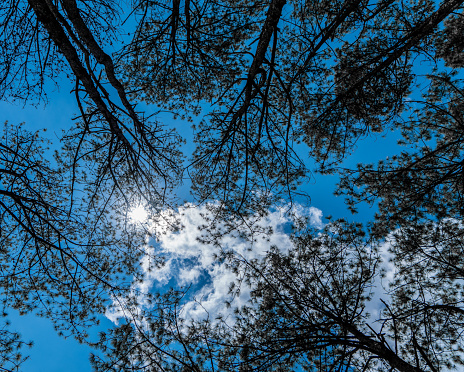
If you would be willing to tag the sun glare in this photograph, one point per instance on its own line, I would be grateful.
(138, 214)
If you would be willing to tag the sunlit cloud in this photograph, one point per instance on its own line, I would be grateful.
(191, 263)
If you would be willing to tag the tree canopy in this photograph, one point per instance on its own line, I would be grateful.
(278, 92)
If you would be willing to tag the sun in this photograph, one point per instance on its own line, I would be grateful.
(138, 214)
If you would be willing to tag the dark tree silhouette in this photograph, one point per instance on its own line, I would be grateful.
(426, 178)
(311, 309)
(11, 344)
(60, 259)
(66, 244)
(268, 75)
(37, 33)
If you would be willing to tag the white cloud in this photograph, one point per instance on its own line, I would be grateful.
(188, 276)
(190, 262)
(381, 285)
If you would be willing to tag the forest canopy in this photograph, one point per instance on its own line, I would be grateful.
(278, 93)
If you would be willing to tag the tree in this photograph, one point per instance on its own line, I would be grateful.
(326, 73)
(66, 244)
(60, 257)
(321, 307)
(270, 72)
(298, 302)
(421, 320)
(10, 348)
(42, 39)
(324, 286)
(424, 183)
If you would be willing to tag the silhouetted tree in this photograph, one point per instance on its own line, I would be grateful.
(60, 255)
(312, 305)
(425, 180)
(267, 75)
(65, 240)
(10, 349)
(42, 39)
(322, 306)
